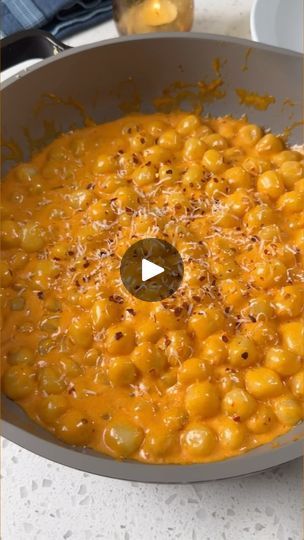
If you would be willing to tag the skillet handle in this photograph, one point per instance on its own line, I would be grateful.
(28, 44)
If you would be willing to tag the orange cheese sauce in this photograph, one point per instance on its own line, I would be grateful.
(211, 372)
(255, 100)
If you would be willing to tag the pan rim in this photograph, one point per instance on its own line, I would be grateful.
(149, 37)
(94, 463)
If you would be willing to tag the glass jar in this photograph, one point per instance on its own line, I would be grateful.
(144, 16)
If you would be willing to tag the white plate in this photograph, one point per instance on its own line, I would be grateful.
(279, 23)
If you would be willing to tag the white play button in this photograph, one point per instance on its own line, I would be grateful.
(149, 270)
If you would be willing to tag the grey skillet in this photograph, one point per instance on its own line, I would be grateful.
(100, 76)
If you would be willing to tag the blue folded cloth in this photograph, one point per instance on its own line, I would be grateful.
(59, 17)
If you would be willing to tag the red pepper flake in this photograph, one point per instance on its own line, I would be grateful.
(118, 336)
(225, 339)
(86, 264)
(72, 269)
(90, 186)
(236, 418)
(131, 311)
(178, 311)
(40, 295)
(71, 253)
(56, 259)
(167, 341)
(116, 299)
(245, 355)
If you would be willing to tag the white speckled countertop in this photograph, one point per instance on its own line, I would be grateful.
(45, 501)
